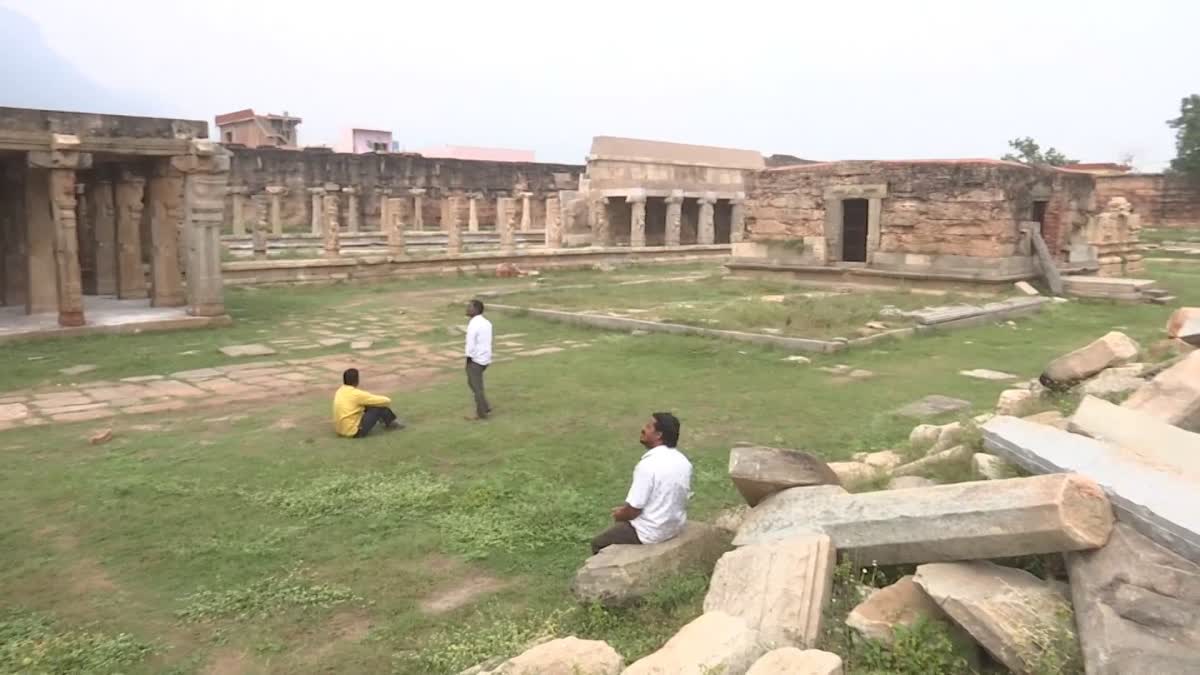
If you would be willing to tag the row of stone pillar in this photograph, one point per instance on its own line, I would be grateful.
(602, 234)
(411, 207)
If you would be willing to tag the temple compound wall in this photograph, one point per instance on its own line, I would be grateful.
(1160, 201)
(109, 205)
(960, 218)
(651, 193)
(277, 191)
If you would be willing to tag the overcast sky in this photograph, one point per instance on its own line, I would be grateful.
(824, 80)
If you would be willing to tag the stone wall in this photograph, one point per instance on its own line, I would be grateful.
(1159, 201)
(620, 176)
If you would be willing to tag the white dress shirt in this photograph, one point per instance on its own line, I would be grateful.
(662, 485)
(479, 340)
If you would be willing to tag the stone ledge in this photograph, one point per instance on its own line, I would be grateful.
(123, 329)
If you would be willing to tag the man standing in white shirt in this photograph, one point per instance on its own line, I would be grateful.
(479, 355)
(656, 508)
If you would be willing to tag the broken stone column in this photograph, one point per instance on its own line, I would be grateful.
(526, 216)
(1137, 607)
(259, 234)
(637, 219)
(737, 218)
(706, 229)
(57, 167)
(1012, 614)
(131, 276)
(553, 229)
(504, 223)
(713, 643)
(759, 472)
(104, 218)
(352, 214)
(1173, 396)
(317, 208)
(206, 171)
(418, 212)
(275, 194)
(473, 212)
(964, 521)
(781, 589)
(237, 208)
(164, 197)
(601, 230)
(1114, 349)
(674, 218)
(394, 226)
(385, 216)
(452, 208)
(332, 243)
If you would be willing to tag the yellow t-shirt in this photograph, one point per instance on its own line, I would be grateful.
(348, 405)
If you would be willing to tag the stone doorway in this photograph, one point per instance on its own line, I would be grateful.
(656, 221)
(722, 221)
(854, 230)
(1039, 211)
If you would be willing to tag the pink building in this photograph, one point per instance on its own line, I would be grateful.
(481, 154)
(360, 141)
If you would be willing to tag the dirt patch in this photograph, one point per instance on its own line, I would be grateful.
(342, 628)
(229, 663)
(85, 575)
(284, 424)
(465, 591)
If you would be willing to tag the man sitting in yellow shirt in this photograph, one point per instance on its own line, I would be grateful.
(356, 412)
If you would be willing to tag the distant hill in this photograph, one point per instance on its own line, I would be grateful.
(33, 75)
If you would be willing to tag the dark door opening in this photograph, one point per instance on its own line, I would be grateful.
(1039, 212)
(854, 230)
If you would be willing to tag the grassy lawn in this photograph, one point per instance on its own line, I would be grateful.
(249, 540)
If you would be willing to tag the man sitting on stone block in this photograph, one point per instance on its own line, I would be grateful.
(656, 508)
(356, 412)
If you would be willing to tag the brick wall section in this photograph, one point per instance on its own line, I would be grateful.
(956, 207)
(1160, 201)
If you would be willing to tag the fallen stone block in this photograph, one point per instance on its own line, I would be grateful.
(935, 461)
(1184, 324)
(623, 573)
(1026, 288)
(1137, 607)
(901, 604)
(883, 460)
(1050, 418)
(713, 643)
(1173, 396)
(1113, 349)
(792, 661)
(1152, 490)
(991, 467)
(950, 436)
(855, 474)
(1014, 401)
(985, 374)
(1114, 382)
(730, 519)
(1012, 614)
(564, 656)
(909, 482)
(781, 589)
(923, 436)
(932, 406)
(963, 521)
(759, 471)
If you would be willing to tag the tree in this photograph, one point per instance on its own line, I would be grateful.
(1029, 152)
(1187, 137)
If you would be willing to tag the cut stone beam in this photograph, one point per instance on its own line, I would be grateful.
(781, 589)
(901, 604)
(713, 643)
(1114, 349)
(621, 573)
(1154, 493)
(759, 471)
(1184, 324)
(1173, 396)
(964, 521)
(1137, 607)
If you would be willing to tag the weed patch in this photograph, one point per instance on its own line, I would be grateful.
(30, 643)
(366, 495)
(261, 598)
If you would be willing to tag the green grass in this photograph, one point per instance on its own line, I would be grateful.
(168, 550)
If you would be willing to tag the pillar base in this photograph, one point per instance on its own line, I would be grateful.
(133, 295)
(169, 301)
(207, 310)
(71, 319)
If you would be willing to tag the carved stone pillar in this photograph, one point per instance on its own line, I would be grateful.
(526, 216)
(84, 230)
(104, 219)
(737, 219)
(674, 218)
(504, 223)
(705, 230)
(164, 197)
(554, 230)
(473, 213)
(131, 277)
(352, 214)
(275, 193)
(637, 219)
(332, 243)
(206, 176)
(418, 214)
(395, 226)
(57, 169)
(452, 208)
(238, 209)
(318, 196)
(383, 194)
(601, 231)
(258, 236)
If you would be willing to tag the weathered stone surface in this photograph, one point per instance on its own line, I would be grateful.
(1150, 489)
(852, 474)
(1113, 349)
(713, 643)
(1050, 418)
(1114, 382)
(247, 350)
(991, 467)
(963, 521)
(1184, 324)
(780, 589)
(564, 656)
(792, 661)
(900, 604)
(1014, 401)
(932, 406)
(1010, 613)
(1137, 607)
(1173, 396)
(622, 573)
(884, 459)
(949, 436)
(923, 436)
(934, 461)
(759, 471)
(1026, 288)
(730, 519)
(909, 482)
(985, 374)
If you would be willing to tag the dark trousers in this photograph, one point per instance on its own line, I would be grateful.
(619, 533)
(475, 382)
(373, 415)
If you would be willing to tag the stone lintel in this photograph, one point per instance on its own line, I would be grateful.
(59, 159)
(350, 190)
(276, 190)
(316, 190)
(201, 163)
(416, 192)
(878, 191)
(332, 187)
(636, 197)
